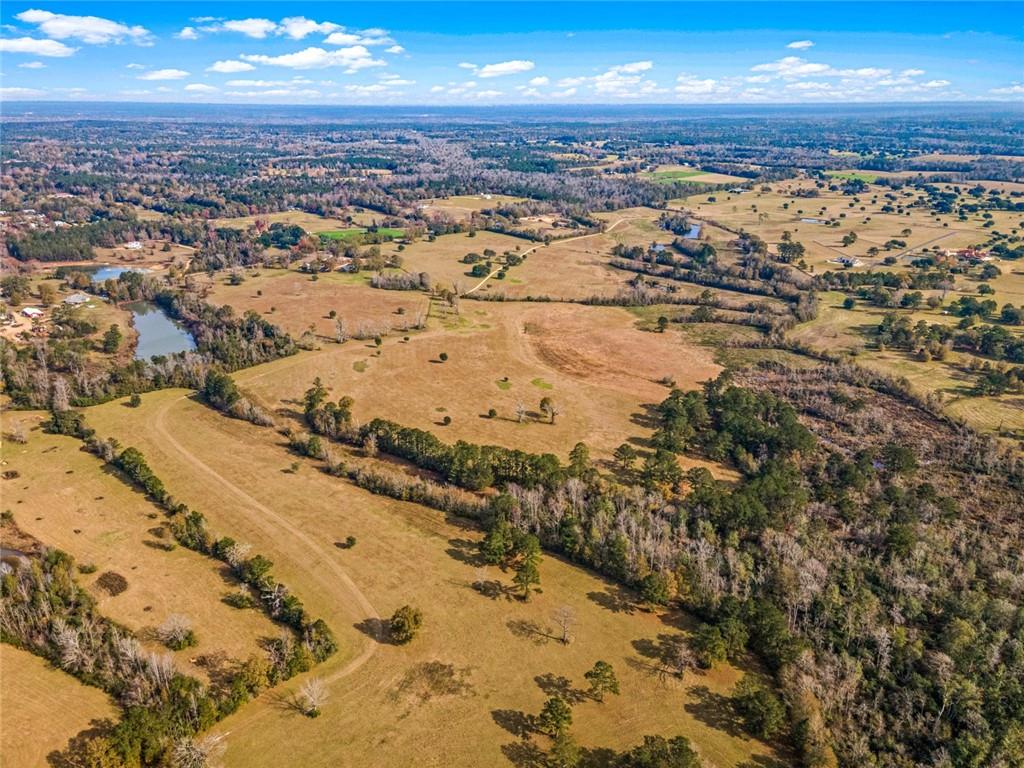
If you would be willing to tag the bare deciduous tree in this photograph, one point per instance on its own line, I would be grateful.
(565, 618)
(313, 694)
(175, 630)
(198, 753)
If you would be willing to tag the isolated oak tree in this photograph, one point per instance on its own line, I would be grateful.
(405, 623)
(528, 568)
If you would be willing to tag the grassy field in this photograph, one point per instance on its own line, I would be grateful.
(354, 233)
(43, 708)
(66, 498)
(462, 207)
(310, 222)
(670, 174)
(481, 663)
(601, 371)
(298, 302)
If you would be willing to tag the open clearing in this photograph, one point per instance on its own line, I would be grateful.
(600, 369)
(310, 222)
(66, 498)
(386, 702)
(41, 708)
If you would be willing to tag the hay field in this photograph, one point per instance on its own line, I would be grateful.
(462, 207)
(590, 360)
(42, 708)
(66, 498)
(480, 663)
(299, 302)
(310, 222)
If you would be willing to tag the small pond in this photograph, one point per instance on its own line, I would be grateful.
(158, 334)
(102, 273)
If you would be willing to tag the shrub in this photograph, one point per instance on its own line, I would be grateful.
(405, 624)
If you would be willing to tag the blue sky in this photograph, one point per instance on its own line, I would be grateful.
(512, 53)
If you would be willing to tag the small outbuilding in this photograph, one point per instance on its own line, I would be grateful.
(32, 312)
(77, 299)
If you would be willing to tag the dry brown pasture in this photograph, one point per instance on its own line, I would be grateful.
(481, 664)
(66, 498)
(299, 302)
(462, 207)
(591, 361)
(42, 708)
(310, 222)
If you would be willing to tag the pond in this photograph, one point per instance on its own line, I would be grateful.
(158, 334)
(99, 274)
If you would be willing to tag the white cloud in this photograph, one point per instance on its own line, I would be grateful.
(564, 94)
(625, 81)
(488, 94)
(304, 94)
(229, 66)
(33, 65)
(297, 27)
(436, 88)
(187, 33)
(800, 45)
(88, 29)
(911, 73)
(269, 83)
(1009, 90)
(352, 58)
(636, 66)
(35, 47)
(395, 49)
(366, 90)
(164, 74)
(691, 85)
(255, 28)
(791, 66)
(542, 80)
(20, 93)
(936, 84)
(466, 65)
(133, 65)
(512, 67)
(366, 37)
(571, 82)
(200, 88)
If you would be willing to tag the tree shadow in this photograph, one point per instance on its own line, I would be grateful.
(762, 761)
(526, 629)
(494, 589)
(524, 754)
(375, 629)
(561, 686)
(615, 599)
(518, 723)
(598, 757)
(74, 754)
(465, 551)
(715, 710)
(286, 702)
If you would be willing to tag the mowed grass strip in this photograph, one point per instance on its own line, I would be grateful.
(43, 708)
(67, 498)
(456, 694)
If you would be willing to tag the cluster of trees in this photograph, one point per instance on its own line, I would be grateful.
(466, 465)
(55, 372)
(220, 391)
(405, 281)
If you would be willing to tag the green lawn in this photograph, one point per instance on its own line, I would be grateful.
(867, 178)
(355, 232)
(668, 177)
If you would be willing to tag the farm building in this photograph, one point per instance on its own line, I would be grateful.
(76, 299)
(32, 312)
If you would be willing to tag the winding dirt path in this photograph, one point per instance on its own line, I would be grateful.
(322, 562)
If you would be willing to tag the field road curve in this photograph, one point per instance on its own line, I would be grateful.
(360, 601)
